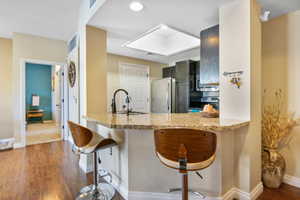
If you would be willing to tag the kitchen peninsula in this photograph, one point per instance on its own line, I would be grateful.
(164, 120)
(136, 171)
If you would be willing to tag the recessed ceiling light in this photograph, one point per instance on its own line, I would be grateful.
(136, 6)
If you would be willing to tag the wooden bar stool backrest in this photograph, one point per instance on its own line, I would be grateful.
(196, 146)
(81, 135)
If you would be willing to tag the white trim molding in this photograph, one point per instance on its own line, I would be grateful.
(230, 195)
(7, 143)
(292, 180)
(254, 194)
(19, 145)
(21, 100)
(233, 193)
(163, 196)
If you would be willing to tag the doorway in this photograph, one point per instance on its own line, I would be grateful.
(44, 94)
(135, 79)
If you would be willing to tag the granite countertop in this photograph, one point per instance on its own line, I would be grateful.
(157, 121)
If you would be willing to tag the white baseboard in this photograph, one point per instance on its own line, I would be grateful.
(257, 191)
(230, 195)
(254, 194)
(163, 196)
(7, 143)
(19, 145)
(292, 180)
(233, 193)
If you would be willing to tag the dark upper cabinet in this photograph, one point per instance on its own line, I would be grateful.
(182, 71)
(209, 56)
(169, 72)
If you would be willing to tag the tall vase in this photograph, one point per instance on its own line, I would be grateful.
(273, 168)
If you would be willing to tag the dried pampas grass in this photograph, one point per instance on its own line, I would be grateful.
(276, 124)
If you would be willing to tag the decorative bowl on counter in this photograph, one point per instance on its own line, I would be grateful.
(210, 114)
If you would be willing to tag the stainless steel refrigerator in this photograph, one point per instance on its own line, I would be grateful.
(163, 95)
(169, 96)
(172, 95)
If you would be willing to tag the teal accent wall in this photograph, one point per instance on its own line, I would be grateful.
(39, 82)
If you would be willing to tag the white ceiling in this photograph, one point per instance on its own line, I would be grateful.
(124, 25)
(48, 18)
(190, 16)
(58, 19)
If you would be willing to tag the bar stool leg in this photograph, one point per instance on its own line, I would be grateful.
(198, 194)
(185, 187)
(97, 191)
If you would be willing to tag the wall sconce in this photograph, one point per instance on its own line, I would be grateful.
(235, 78)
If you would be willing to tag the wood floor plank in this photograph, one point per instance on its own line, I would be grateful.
(51, 172)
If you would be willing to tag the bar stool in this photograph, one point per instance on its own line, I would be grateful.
(87, 142)
(185, 150)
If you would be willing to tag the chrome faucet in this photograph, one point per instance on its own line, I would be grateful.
(113, 104)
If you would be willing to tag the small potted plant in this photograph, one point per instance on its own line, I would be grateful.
(276, 134)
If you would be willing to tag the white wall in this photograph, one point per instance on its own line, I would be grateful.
(6, 106)
(240, 49)
(281, 70)
(56, 94)
(235, 56)
(86, 14)
(37, 48)
(96, 70)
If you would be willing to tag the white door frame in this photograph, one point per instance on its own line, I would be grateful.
(65, 102)
(147, 67)
(23, 93)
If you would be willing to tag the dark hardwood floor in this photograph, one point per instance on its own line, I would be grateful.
(286, 192)
(51, 172)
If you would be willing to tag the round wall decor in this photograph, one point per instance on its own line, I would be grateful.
(72, 73)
